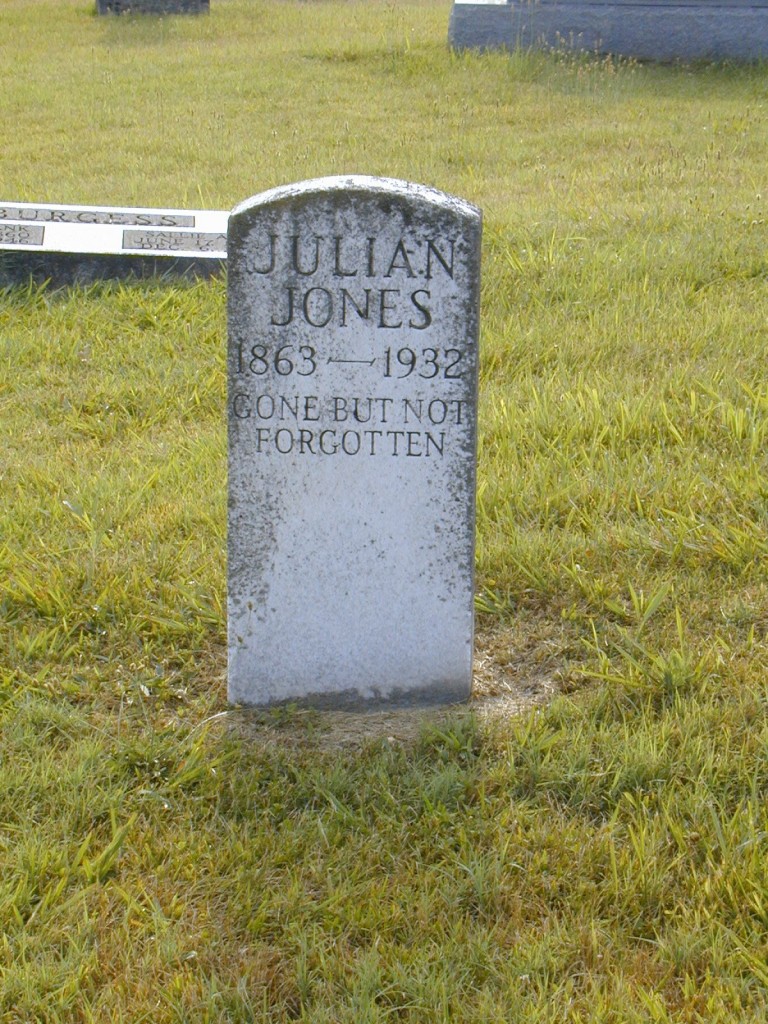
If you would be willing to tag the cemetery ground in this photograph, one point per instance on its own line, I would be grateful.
(601, 857)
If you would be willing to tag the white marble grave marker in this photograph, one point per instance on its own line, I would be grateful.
(65, 245)
(353, 329)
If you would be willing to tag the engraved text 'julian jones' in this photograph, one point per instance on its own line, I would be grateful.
(390, 307)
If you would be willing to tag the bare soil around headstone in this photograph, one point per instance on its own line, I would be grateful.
(503, 686)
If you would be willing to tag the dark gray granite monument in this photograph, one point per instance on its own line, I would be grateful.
(152, 6)
(80, 244)
(353, 330)
(661, 30)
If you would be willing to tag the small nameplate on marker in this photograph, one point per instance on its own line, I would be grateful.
(21, 234)
(164, 241)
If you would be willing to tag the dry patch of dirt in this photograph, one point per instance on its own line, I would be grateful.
(502, 686)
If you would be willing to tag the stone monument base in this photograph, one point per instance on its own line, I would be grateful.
(661, 30)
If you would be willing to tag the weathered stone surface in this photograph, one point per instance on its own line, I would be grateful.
(152, 6)
(353, 325)
(663, 30)
(77, 244)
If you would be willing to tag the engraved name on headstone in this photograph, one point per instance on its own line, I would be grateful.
(352, 370)
(176, 241)
(21, 234)
(85, 215)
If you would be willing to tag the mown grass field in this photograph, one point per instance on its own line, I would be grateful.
(603, 859)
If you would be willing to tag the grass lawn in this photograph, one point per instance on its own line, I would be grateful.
(601, 859)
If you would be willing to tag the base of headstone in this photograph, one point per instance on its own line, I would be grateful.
(659, 30)
(61, 270)
(152, 6)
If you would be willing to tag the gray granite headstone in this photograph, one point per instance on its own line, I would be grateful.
(662, 30)
(352, 367)
(152, 6)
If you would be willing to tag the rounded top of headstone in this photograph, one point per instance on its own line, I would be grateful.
(359, 185)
